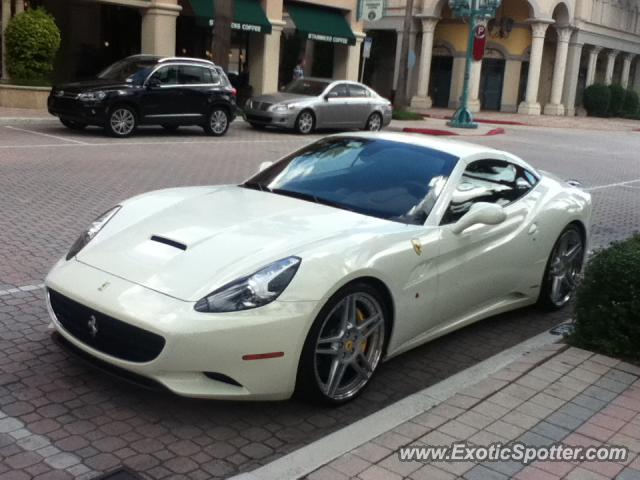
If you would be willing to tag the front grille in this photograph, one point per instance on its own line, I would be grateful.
(263, 106)
(105, 334)
(259, 118)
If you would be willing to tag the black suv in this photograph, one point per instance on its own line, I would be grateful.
(148, 90)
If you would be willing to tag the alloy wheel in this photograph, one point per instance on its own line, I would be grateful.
(565, 266)
(374, 124)
(218, 122)
(305, 122)
(349, 346)
(122, 122)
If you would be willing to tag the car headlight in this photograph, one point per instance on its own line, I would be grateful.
(281, 107)
(92, 96)
(88, 235)
(252, 291)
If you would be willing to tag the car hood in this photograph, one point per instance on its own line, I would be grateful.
(281, 97)
(220, 234)
(93, 84)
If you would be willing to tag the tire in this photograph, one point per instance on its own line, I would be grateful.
(171, 128)
(218, 122)
(305, 122)
(72, 124)
(563, 269)
(374, 122)
(354, 354)
(122, 121)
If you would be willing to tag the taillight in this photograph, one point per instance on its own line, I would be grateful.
(234, 91)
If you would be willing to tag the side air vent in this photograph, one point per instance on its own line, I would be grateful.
(220, 377)
(168, 241)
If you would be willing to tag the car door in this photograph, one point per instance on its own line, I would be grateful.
(160, 100)
(358, 105)
(197, 84)
(483, 265)
(331, 110)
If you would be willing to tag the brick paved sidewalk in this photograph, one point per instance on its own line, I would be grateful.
(556, 394)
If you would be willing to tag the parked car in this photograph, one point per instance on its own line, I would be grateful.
(310, 103)
(305, 277)
(148, 90)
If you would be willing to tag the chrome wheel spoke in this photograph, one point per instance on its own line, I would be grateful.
(362, 366)
(370, 325)
(335, 377)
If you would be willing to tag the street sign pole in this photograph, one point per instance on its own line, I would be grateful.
(473, 10)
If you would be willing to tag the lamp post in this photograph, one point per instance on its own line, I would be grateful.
(474, 10)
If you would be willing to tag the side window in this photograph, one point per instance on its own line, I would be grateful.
(215, 76)
(339, 90)
(492, 181)
(358, 91)
(194, 75)
(167, 75)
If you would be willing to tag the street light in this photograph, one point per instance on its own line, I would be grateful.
(473, 10)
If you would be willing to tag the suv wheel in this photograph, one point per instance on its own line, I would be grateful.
(122, 121)
(217, 122)
(73, 125)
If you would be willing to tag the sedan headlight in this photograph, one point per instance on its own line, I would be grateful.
(92, 96)
(280, 107)
(88, 235)
(253, 291)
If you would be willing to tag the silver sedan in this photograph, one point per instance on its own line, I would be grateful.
(310, 103)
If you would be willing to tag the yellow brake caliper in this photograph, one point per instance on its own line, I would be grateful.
(360, 319)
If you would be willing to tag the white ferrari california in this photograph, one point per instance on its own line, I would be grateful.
(305, 277)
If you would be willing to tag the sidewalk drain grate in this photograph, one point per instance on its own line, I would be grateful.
(121, 473)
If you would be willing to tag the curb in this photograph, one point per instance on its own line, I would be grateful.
(309, 458)
(483, 120)
(443, 133)
(26, 120)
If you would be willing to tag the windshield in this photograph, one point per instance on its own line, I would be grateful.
(128, 70)
(380, 178)
(311, 88)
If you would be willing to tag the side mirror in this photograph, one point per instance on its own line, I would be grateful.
(153, 83)
(330, 95)
(481, 212)
(264, 165)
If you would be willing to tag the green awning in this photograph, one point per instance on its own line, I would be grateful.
(321, 23)
(247, 15)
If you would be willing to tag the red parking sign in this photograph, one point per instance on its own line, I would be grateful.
(479, 42)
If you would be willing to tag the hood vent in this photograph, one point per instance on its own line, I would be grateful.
(168, 241)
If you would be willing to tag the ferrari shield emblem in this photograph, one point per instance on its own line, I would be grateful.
(417, 246)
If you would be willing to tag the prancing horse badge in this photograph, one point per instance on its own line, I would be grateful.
(417, 246)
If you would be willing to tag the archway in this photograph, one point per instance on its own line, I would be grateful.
(441, 73)
(492, 79)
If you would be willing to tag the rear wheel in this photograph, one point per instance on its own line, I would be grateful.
(344, 346)
(563, 269)
(305, 123)
(72, 124)
(374, 122)
(122, 121)
(217, 122)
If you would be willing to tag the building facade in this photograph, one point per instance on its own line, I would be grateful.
(268, 36)
(540, 54)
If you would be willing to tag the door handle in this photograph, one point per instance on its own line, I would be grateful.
(533, 228)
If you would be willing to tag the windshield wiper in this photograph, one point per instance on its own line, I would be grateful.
(300, 195)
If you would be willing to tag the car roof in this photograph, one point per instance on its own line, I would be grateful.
(453, 147)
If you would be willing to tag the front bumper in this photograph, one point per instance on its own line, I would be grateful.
(72, 109)
(284, 119)
(195, 342)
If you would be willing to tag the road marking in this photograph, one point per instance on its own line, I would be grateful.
(611, 185)
(56, 137)
(24, 288)
(305, 460)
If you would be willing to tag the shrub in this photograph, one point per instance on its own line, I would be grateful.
(608, 301)
(617, 99)
(406, 115)
(631, 104)
(596, 99)
(32, 40)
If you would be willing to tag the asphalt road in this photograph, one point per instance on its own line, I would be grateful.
(62, 419)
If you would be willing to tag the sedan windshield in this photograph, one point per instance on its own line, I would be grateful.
(380, 178)
(311, 88)
(128, 70)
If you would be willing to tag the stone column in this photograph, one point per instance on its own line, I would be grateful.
(474, 86)
(530, 105)
(264, 60)
(611, 61)
(396, 65)
(593, 62)
(509, 100)
(159, 29)
(19, 6)
(6, 16)
(346, 60)
(626, 69)
(571, 78)
(421, 98)
(555, 107)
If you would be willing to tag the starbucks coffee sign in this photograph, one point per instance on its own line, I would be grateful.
(372, 10)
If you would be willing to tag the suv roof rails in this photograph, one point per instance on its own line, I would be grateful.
(187, 59)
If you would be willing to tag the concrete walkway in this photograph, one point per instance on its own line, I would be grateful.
(553, 395)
